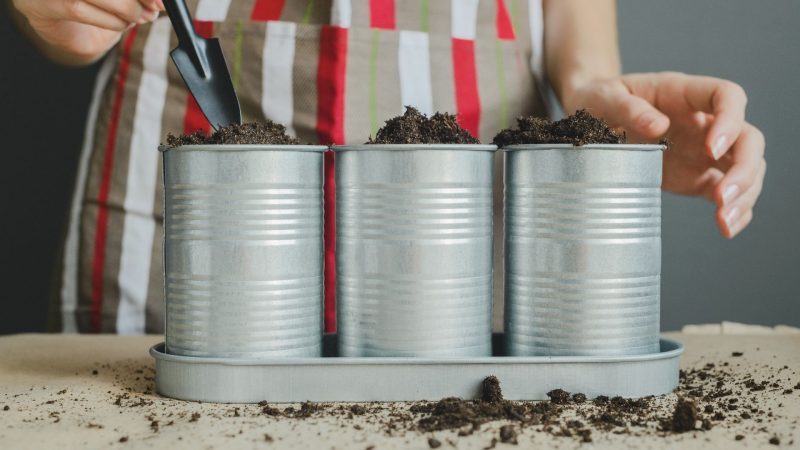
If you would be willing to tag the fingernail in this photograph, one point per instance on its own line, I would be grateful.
(719, 146)
(149, 16)
(729, 193)
(731, 217)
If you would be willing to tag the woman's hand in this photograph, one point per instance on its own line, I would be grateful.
(714, 152)
(81, 31)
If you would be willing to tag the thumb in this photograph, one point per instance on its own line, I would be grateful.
(636, 115)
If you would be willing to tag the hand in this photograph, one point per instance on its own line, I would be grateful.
(81, 31)
(714, 152)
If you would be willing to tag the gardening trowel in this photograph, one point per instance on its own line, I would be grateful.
(202, 65)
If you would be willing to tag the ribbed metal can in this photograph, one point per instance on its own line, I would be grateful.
(243, 250)
(414, 250)
(583, 249)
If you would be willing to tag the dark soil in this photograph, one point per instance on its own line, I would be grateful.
(413, 127)
(580, 128)
(508, 435)
(559, 396)
(685, 416)
(267, 133)
(491, 389)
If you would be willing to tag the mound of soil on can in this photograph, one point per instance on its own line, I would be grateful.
(580, 128)
(413, 127)
(266, 133)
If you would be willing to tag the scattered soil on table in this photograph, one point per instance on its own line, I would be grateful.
(580, 128)
(266, 133)
(413, 127)
(713, 395)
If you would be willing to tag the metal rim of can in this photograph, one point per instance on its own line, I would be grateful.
(627, 147)
(395, 147)
(669, 349)
(244, 148)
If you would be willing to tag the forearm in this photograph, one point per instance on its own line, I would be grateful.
(581, 44)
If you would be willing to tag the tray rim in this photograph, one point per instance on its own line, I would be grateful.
(670, 348)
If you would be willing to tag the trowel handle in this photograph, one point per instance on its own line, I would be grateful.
(187, 38)
(181, 20)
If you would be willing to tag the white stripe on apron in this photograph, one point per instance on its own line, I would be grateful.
(140, 224)
(277, 74)
(464, 19)
(536, 20)
(341, 13)
(212, 10)
(415, 71)
(69, 282)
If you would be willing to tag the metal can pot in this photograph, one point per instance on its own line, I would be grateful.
(414, 250)
(583, 249)
(243, 250)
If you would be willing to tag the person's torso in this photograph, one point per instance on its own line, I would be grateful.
(332, 72)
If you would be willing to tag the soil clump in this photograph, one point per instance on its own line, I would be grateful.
(413, 127)
(266, 133)
(578, 129)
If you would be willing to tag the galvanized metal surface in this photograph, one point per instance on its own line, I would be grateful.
(338, 379)
(583, 249)
(414, 249)
(243, 250)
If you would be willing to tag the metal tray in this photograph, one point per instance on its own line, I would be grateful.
(339, 379)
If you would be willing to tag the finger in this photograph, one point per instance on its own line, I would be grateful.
(89, 14)
(633, 113)
(726, 101)
(748, 199)
(730, 231)
(130, 11)
(747, 159)
(152, 5)
(707, 183)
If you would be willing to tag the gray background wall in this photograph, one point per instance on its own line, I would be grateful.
(754, 277)
(705, 278)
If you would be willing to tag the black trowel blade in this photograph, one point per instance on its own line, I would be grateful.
(213, 90)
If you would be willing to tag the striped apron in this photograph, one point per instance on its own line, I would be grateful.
(330, 70)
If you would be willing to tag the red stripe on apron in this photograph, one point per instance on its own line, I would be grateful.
(98, 263)
(505, 29)
(194, 119)
(330, 130)
(468, 104)
(265, 10)
(381, 14)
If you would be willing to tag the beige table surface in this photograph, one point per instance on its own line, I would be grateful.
(61, 391)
